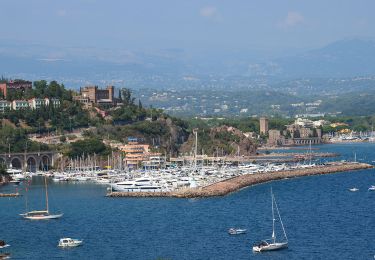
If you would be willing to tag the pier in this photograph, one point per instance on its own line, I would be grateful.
(7, 195)
(234, 184)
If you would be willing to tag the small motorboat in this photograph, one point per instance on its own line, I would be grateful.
(372, 188)
(354, 189)
(3, 244)
(236, 231)
(69, 242)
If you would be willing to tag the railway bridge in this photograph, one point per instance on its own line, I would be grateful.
(31, 161)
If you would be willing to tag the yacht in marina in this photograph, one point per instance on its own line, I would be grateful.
(16, 175)
(137, 185)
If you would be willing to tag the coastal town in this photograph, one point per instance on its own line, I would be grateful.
(187, 130)
(139, 165)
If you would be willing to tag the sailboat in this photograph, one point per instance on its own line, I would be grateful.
(41, 214)
(272, 244)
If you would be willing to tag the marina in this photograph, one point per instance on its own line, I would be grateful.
(236, 183)
(200, 224)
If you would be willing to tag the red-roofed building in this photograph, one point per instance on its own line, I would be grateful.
(15, 85)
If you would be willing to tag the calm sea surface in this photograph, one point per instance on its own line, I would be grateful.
(323, 220)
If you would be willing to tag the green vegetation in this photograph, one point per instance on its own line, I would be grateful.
(166, 134)
(68, 115)
(245, 124)
(86, 147)
(3, 169)
(351, 104)
(17, 141)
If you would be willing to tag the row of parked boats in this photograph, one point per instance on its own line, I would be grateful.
(158, 180)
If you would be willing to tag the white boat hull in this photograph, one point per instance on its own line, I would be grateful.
(43, 217)
(68, 242)
(270, 247)
(238, 231)
(78, 243)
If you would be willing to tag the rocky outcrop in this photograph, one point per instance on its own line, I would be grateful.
(220, 141)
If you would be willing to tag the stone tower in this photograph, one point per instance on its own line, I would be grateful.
(263, 123)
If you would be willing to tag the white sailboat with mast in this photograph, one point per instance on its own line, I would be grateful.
(42, 214)
(272, 244)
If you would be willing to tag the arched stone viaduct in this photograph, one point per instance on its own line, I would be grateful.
(31, 161)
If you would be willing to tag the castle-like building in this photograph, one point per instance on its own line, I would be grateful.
(301, 132)
(90, 95)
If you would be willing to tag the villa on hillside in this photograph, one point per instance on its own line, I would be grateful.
(34, 103)
(93, 95)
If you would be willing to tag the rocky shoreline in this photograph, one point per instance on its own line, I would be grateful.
(234, 184)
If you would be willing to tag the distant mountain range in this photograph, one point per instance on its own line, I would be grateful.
(345, 58)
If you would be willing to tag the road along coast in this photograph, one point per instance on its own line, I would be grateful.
(234, 184)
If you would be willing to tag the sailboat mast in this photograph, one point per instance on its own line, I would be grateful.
(273, 219)
(45, 184)
(281, 221)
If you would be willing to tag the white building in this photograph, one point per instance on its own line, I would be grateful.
(5, 105)
(36, 103)
(20, 104)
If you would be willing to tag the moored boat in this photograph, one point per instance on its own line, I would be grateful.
(237, 231)
(3, 244)
(137, 185)
(272, 244)
(41, 214)
(69, 242)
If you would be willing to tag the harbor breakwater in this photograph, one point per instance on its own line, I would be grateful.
(6, 195)
(234, 184)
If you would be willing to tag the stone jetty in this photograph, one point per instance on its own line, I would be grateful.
(6, 195)
(234, 184)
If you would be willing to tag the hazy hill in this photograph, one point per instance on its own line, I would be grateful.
(346, 58)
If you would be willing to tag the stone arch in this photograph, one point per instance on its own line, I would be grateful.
(31, 164)
(16, 163)
(45, 163)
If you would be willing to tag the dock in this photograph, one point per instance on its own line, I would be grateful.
(7, 195)
(234, 184)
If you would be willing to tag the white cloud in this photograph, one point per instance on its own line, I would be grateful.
(292, 19)
(209, 12)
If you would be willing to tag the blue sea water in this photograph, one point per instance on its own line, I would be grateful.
(323, 220)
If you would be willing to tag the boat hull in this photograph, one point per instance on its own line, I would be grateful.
(270, 247)
(237, 231)
(43, 217)
(71, 245)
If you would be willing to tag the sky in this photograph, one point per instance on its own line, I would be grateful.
(192, 25)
